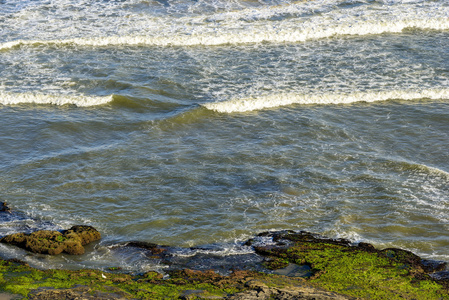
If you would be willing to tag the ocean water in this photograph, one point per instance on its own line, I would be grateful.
(200, 123)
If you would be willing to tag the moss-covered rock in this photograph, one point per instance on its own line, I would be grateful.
(338, 270)
(35, 284)
(356, 270)
(87, 234)
(54, 242)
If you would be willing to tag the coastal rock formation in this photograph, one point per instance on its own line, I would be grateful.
(54, 242)
(252, 286)
(358, 270)
(156, 250)
(78, 292)
(258, 290)
(303, 266)
(185, 285)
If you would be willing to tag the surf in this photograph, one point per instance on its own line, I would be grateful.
(9, 98)
(292, 23)
(283, 99)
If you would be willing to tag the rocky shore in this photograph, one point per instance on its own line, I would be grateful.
(300, 265)
(53, 242)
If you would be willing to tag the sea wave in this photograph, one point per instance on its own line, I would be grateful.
(275, 34)
(204, 32)
(8, 98)
(420, 169)
(282, 99)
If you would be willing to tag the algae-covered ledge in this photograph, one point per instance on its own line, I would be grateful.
(336, 269)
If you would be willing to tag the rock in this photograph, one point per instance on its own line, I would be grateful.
(191, 294)
(258, 291)
(45, 241)
(78, 292)
(87, 234)
(54, 242)
(4, 207)
(367, 247)
(155, 250)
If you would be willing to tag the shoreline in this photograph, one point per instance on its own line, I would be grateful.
(296, 264)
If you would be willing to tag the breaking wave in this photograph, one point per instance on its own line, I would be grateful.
(7, 98)
(282, 99)
(255, 26)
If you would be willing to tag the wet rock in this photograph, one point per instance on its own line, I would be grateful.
(87, 234)
(191, 294)
(432, 266)
(17, 261)
(367, 247)
(329, 258)
(78, 292)
(152, 276)
(208, 276)
(407, 258)
(153, 250)
(294, 270)
(142, 245)
(4, 207)
(260, 291)
(54, 242)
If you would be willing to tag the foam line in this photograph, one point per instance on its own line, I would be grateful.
(287, 31)
(282, 99)
(7, 98)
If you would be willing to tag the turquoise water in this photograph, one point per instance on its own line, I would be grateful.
(193, 123)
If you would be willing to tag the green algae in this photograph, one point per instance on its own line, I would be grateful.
(22, 279)
(388, 274)
(337, 266)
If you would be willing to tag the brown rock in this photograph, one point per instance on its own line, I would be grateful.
(45, 242)
(4, 207)
(259, 291)
(76, 293)
(54, 242)
(16, 239)
(87, 234)
(73, 247)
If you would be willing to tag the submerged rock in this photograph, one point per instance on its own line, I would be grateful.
(54, 242)
(4, 207)
(155, 249)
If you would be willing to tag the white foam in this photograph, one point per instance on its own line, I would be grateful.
(282, 99)
(218, 251)
(246, 26)
(7, 98)
(272, 34)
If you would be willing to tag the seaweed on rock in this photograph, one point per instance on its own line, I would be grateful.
(336, 268)
(54, 242)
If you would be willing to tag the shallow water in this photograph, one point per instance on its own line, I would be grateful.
(194, 123)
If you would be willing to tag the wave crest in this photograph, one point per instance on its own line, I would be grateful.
(286, 31)
(7, 98)
(282, 99)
